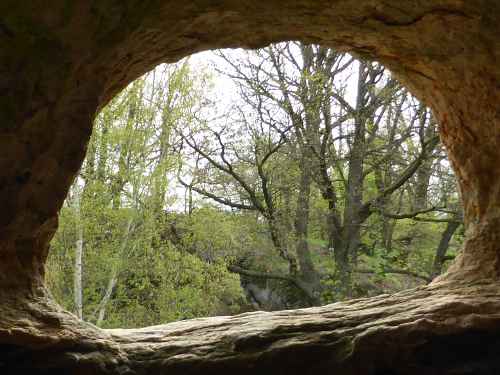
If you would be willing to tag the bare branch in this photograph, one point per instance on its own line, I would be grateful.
(417, 275)
(367, 208)
(218, 199)
(229, 170)
(410, 215)
(431, 220)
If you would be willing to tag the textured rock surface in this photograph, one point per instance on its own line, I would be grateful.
(438, 329)
(61, 61)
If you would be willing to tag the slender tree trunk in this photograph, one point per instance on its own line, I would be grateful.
(103, 149)
(107, 296)
(114, 276)
(188, 201)
(424, 172)
(121, 178)
(89, 173)
(77, 277)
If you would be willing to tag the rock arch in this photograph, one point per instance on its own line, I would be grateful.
(60, 63)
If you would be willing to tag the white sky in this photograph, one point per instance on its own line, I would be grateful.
(225, 93)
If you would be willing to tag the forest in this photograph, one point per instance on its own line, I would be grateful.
(286, 177)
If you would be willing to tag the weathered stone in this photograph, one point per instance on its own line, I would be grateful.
(60, 62)
(438, 329)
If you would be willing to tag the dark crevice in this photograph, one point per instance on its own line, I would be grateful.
(6, 31)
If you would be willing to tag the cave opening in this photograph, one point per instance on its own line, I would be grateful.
(232, 181)
(60, 64)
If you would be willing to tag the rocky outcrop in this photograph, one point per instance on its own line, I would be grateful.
(61, 62)
(438, 329)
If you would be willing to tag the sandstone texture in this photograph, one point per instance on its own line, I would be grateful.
(61, 61)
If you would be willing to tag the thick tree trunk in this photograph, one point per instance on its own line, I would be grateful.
(351, 236)
(444, 243)
(308, 274)
(60, 62)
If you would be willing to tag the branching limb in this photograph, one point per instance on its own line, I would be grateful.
(416, 275)
(218, 199)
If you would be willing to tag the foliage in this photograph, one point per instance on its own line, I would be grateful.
(311, 135)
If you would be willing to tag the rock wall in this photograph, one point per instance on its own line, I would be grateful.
(62, 61)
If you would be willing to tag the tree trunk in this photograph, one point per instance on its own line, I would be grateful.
(78, 271)
(113, 279)
(351, 236)
(308, 274)
(444, 243)
(122, 175)
(424, 172)
(103, 149)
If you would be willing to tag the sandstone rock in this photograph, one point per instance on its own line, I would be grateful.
(62, 61)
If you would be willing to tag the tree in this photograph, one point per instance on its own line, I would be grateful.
(125, 272)
(294, 97)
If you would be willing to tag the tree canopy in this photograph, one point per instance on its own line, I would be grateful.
(320, 179)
